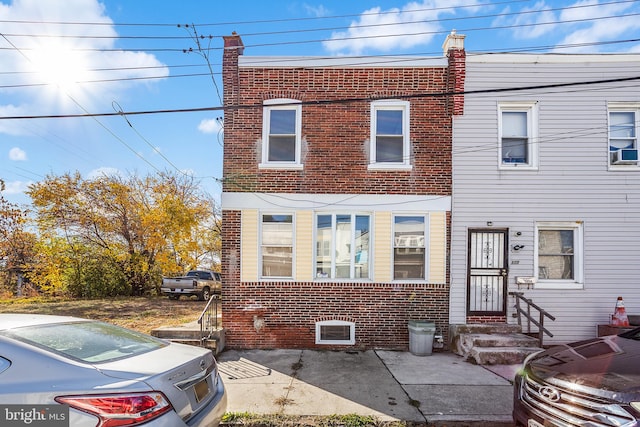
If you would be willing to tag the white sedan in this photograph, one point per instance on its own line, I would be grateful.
(67, 371)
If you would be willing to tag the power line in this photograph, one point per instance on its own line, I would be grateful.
(354, 26)
(334, 101)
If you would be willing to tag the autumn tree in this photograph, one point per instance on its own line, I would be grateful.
(16, 243)
(121, 234)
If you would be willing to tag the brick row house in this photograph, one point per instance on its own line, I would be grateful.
(336, 200)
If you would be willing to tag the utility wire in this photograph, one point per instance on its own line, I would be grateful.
(336, 101)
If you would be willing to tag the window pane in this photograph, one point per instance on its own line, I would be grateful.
(409, 248)
(282, 122)
(335, 333)
(514, 123)
(277, 261)
(556, 254)
(389, 149)
(389, 122)
(408, 263)
(323, 246)
(362, 247)
(514, 150)
(343, 246)
(277, 230)
(622, 124)
(282, 148)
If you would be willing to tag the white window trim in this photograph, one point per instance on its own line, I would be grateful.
(293, 248)
(406, 146)
(623, 107)
(281, 104)
(352, 332)
(531, 108)
(426, 247)
(578, 256)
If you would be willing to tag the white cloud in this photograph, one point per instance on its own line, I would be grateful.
(598, 30)
(527, 24)
(16, 187)
(582, 24)
(316, 11)
(394, 29)
(209, 126)
(103, 172)
(47, 71)
(17, 155)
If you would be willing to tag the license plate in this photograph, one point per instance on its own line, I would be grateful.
(534, 423)
(202, 390)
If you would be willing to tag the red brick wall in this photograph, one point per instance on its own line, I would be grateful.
(289, 310)
(336, 135)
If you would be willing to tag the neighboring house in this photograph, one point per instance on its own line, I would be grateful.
(546, 188)
(336, 197)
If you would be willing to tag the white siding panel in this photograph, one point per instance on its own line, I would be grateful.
(572, 183)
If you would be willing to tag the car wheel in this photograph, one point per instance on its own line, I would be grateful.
(204, 296)
(176, 297)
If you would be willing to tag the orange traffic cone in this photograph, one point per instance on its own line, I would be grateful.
(619, 317)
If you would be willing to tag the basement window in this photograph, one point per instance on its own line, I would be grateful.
(335, 332)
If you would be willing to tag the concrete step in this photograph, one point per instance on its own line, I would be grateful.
(500, 355)
(191, 334)
(484, 328)
(499, 340)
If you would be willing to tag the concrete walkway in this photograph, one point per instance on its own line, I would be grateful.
(440, 389)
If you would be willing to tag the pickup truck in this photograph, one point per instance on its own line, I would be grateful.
(196, 282)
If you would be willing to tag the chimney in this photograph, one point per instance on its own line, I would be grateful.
(453, 48)
(233, 48)
(234, 42)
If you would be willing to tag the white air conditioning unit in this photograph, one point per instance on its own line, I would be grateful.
(624, 156)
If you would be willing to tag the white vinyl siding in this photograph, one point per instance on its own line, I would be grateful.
(573, 182)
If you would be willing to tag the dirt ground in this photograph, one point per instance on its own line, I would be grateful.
(141, 314)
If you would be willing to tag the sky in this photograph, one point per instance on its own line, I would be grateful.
(89, 59)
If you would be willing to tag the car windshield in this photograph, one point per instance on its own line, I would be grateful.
(93, 342)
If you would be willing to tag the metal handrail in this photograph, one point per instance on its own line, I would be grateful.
(542, 314)
(208, 319)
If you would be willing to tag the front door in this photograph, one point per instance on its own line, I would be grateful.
(487, 272)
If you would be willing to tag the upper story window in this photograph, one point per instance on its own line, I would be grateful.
(281, 133)
(518, 125)
(342, 246)
(390, 148)
(277, 246)
(559, 255)
(623, 137)
(409, 247)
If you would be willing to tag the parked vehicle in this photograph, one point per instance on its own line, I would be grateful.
(202, 283)
(107, 375)
(592, 383)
